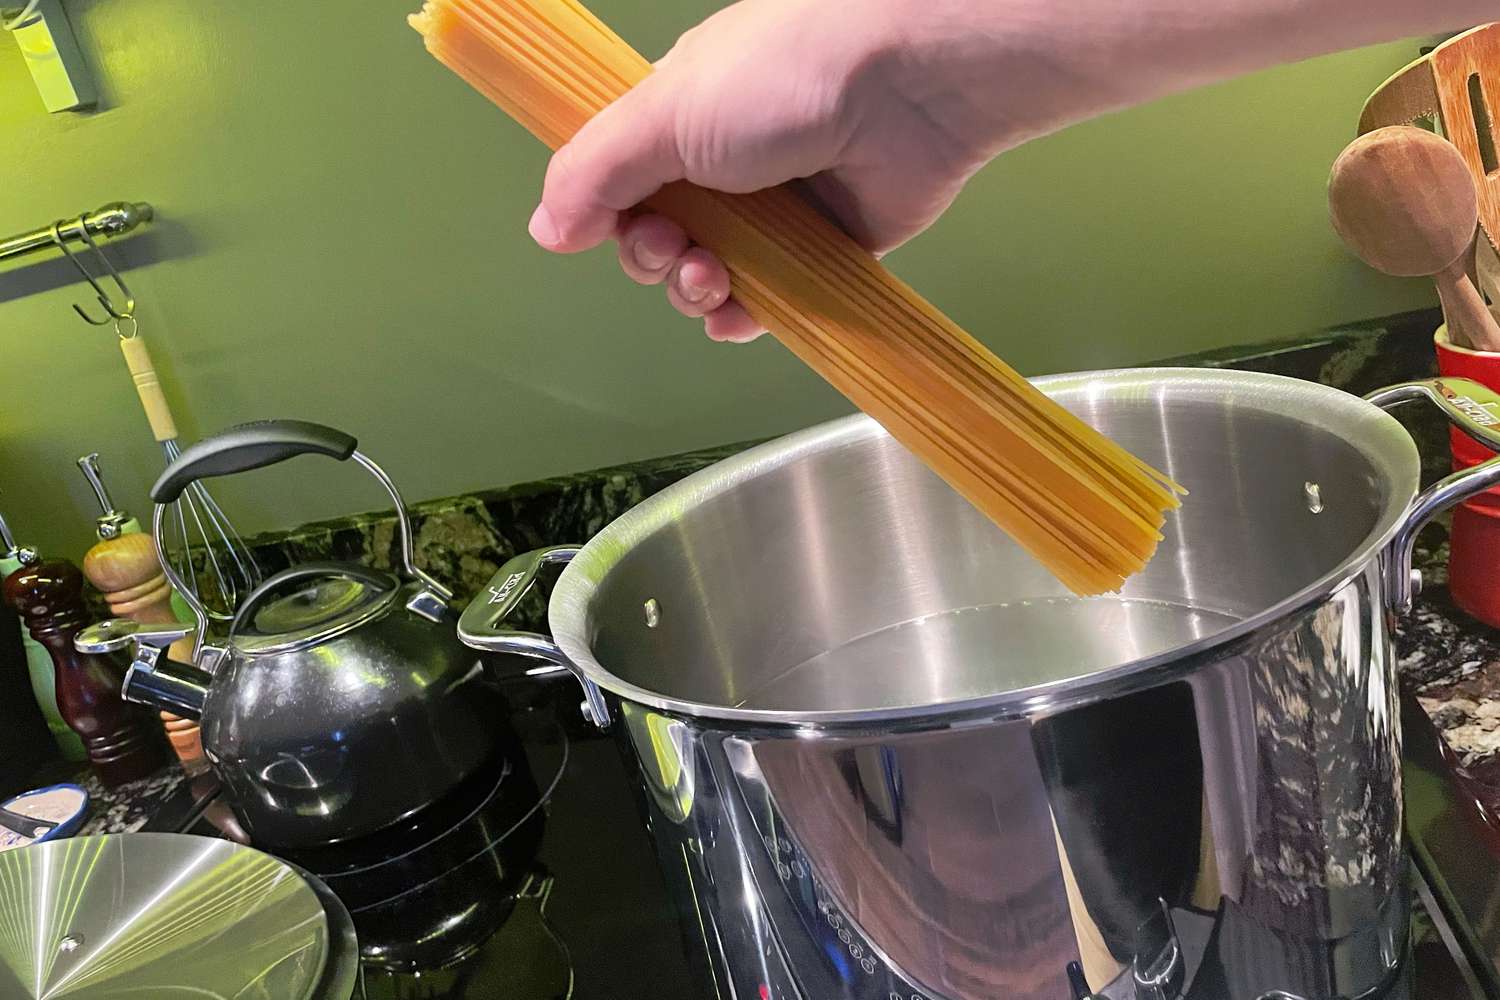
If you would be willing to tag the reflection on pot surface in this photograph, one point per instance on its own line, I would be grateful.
(1258, 799)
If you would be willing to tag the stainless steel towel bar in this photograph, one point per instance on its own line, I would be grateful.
(114, 219)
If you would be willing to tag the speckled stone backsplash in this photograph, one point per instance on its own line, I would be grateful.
(462, 540)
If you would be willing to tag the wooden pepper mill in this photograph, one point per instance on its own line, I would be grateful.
(122, 740)
(124, 568)
(39, 668)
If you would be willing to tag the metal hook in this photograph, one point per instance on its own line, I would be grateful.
(115, 312)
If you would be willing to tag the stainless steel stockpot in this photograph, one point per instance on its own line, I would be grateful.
(886, 755)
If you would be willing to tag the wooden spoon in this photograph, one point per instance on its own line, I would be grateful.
(1453, 85)
(1402, 199)
(1487, 268)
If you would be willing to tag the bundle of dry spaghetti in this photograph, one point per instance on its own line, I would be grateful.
(1087, 509)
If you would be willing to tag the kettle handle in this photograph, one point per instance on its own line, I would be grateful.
(266, 442)
(249, 446)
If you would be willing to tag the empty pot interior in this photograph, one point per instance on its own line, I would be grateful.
(831, 572)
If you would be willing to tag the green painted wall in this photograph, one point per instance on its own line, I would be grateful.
(342, 238)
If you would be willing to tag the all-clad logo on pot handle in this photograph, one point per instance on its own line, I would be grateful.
(500, 593)
(1481, 413)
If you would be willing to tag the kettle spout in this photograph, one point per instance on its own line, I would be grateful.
(166, 684)
(153, 679)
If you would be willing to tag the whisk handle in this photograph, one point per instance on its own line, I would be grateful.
(250, 446)
(148, 387)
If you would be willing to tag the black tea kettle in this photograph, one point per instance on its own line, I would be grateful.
(341, 700)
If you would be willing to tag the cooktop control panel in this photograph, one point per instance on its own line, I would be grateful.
(854, 968)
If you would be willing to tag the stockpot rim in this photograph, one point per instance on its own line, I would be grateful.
(1387, 445)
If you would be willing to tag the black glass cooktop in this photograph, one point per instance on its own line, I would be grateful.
(595, 910)
(567, 902)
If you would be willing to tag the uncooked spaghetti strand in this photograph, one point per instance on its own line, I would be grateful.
(1075, 570)
(601, 83)
(1063, 531)
(1107, 452)
(816, 232)
(959, 380)
(1059, 435)
(1072, 521)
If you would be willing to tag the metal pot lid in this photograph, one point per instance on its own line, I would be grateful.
(168, 916)
(309, 604)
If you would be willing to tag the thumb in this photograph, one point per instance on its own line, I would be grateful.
(621, 156)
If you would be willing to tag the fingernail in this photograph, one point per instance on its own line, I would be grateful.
(648, 260)
(542, 228)
(690, 291)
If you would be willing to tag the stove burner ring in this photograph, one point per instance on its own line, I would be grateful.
(541, 801)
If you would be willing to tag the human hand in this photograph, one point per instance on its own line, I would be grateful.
(762, 92)
(887, 107)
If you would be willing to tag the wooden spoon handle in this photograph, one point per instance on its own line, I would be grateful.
(1462, 302)
(1487, 267)
(1448, 296)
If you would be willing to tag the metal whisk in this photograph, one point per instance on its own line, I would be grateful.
(228, 563)
(199, 540)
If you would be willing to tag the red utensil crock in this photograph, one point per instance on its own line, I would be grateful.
(1474, 543)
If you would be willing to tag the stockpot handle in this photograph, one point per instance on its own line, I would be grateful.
(1473, 409)
(482, 624)
(266, 442)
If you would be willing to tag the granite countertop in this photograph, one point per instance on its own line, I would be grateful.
(1451, 662)
(123, 809)
(128, 807)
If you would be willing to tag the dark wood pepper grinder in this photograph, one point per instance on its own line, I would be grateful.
(124, 741)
